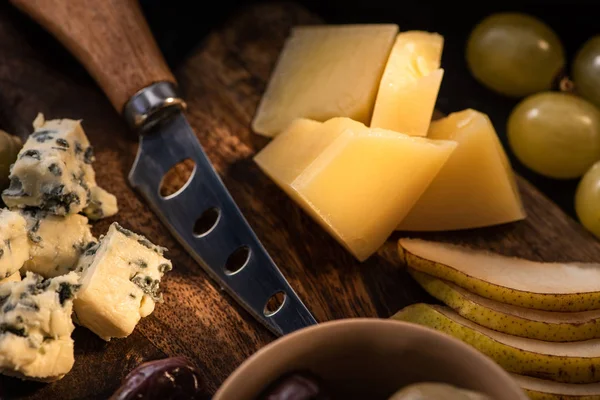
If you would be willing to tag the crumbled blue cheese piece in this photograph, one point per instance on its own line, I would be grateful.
(56, 242)
(14, 244)
(53, 170)
(36, 326)
(120, 279)
(102, 204)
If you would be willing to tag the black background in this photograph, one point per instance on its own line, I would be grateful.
(180, 25)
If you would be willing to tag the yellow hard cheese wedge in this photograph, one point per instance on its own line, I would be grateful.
(288, 155)
(282, 164)
(477, 185)
(410, 84)
(325, 71)
(359, 182)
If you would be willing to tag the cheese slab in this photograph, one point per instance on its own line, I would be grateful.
(56, 242)
(35, 316)
(325, 71)
(120, 278)
(476, 187)
(14, 243)
(358, 183)
(410, 84)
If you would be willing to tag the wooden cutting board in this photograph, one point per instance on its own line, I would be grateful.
(222, 82)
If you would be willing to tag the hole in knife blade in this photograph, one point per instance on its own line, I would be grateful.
(176, 178)
(274, 304)
(237, 260)
(207, 221)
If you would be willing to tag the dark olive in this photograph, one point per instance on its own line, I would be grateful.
(300, 385)
(171, 378)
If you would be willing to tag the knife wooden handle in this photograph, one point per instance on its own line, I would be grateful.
(109, 37)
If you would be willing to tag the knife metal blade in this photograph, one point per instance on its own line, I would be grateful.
(169, 139)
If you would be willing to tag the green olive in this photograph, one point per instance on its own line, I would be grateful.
(436, 391)
(586, 70)
(555, 134)
(514, 54)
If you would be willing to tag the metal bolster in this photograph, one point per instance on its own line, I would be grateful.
(150, 104)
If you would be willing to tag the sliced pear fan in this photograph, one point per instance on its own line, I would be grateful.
(539, 285)
(571, 362)
(541, 389)
(514, 320)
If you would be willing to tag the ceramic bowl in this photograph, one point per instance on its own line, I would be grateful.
(370, 358)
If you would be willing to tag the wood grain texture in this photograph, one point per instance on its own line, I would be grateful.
(222, 83)
(110, 37)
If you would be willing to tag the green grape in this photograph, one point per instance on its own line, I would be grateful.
(555, 134)
(586, 70)
(514, 54)
(587, 200)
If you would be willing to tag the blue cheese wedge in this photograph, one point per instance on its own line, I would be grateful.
(102, 204)
(56, 242)
(53, 170)
(120, 279)
(14, 243)
(36, 327)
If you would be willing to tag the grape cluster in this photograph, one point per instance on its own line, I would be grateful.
(554, 133)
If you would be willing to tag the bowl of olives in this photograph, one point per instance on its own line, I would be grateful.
(368, 358)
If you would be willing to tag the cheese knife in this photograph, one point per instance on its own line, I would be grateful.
(113, 41)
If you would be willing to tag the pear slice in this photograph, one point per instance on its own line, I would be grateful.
(571, 362)
(541, 389)
(514, 320)
(539, 285)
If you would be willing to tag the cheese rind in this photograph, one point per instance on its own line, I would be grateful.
(35, 317)
(410, 84)
(14, 243)
(120, 279)
(56, 242)
(476, 187)
(102, 204)
(356, 182)
(325, 71)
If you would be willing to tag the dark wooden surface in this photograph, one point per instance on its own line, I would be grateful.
(110, 37)
(222, 81)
